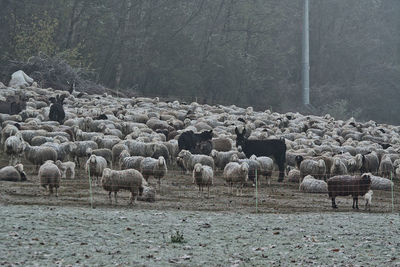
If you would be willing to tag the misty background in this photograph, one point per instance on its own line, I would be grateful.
(239, 52)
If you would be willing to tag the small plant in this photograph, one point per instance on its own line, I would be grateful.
(177, 237)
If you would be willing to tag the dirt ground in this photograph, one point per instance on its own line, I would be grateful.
(291, 228)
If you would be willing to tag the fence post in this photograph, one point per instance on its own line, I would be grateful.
(90, 189)
(391, 179)
(256, 192)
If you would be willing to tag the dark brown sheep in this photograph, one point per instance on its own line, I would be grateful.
(345, 185)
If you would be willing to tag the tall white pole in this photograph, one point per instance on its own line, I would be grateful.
(306, 57)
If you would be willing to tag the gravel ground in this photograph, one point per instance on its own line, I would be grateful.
(42, 235)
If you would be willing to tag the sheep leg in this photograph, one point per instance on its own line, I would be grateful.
(208, 193)
(109, 196)
(355, 201)
(115, 197)
(334, 203)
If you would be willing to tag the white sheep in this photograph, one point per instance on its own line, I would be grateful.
(189, 160)
(338, 168)
(39, 154)
(95, 166)
(368, 199)
(266, 167)
(67, 169)
(221, 158)
(312, 185)
(203, 176)
(312, 167)
(131, 180)
(380, 183)
(154, 167)
(50, 175)
(14, 146)
(13, 173)
(235, 173)
(386, 167)
(130, 162)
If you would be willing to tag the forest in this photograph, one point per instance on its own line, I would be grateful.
(242, 52)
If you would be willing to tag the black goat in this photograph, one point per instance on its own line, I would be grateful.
(273, 147)
(57, 112)
(195, 141)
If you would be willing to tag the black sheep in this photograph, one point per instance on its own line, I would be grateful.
(57, 112)
(345, 185)
(273, 147)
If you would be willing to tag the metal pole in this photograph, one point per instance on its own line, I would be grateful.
(256, 192)
(306, 57)
(90, 189)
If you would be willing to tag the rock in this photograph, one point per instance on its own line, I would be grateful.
(20, 79)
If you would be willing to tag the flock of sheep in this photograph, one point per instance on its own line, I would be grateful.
(121, 142)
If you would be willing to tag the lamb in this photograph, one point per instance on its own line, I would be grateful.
(154, 167)
(312, 185)
(235, 173)
(344, 185)
(67, 169)
(50, 175)
(131, 180)
(386, 167)
(189, 160)
(38, 155)
(266, 167)
(14, 146)
(13, 173)
(338, 168)
(95, 166)
(368, 199)
(203, 176)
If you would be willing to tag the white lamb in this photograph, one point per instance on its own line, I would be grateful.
(67, 169)
(368, 199)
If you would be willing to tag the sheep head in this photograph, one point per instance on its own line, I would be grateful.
(366, 178)
(197, 168)
(161, 161)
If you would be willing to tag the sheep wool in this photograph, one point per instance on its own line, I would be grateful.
(312, 185)
(50, 176)
(131, 180)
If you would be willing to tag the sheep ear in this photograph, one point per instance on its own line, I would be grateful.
(244, 131)
(236, 131)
